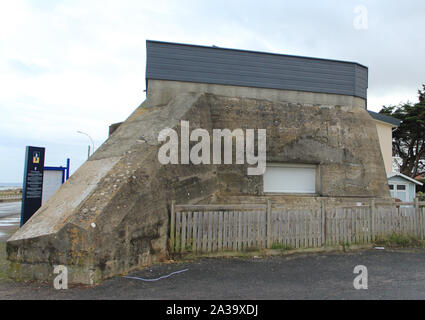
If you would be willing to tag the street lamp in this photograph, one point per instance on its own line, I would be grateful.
(92, 142)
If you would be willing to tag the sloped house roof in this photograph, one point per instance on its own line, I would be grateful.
(384, 118)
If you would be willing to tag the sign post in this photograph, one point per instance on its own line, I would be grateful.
(33, 182)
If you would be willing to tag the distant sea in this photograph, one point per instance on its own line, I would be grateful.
(10, 185)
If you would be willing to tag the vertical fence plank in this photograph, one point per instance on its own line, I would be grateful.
(291, 228)
(275, 226)
(309, 229)
(214, 232)
(189, 234)
(235, 230)
(423, 223)
(245, 228)
(183, 233)
(268, 220)
(286, 227)
(220, 231)
(355, 226)
(263, 229)
(332, 226)
(341, 226)
(258, 228)
(205, 224)
(195, 232)
(282, 235)
(323, 221)
(344, 225)
(372, 214)
(367, 222)
(363, 226)
(173, 227)
(239, 229)
(304, 225)
(248, 229)
(253, 229)
(297, 229)
(351, 215)
(225, 229)
(200, 230)
(210, 230)
(178, 232)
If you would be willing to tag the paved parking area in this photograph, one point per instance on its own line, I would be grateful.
(392, 274)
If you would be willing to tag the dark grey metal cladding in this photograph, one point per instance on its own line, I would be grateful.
(180, 62)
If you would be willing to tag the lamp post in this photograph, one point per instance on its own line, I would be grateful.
(91, 140)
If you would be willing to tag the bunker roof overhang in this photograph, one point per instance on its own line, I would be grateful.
(215, 65)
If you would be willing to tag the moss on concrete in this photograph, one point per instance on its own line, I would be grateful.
(4, 263)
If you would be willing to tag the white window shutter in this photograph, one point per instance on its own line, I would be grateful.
(290, 179)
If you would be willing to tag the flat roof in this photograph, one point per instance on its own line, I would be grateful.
(254, 51)
(216, 65)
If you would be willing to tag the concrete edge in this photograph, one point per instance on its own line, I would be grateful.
(271, 252)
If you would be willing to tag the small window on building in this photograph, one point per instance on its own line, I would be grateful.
(290, 178)
(399, 191)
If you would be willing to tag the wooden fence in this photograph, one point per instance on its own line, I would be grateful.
(215, 228)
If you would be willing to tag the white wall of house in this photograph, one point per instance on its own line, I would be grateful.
(385, 135)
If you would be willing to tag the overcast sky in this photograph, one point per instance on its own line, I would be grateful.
(72, 65)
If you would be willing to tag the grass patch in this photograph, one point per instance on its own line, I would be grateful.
(4, 263)
(345, 245)
(400, 240)
(280, 246)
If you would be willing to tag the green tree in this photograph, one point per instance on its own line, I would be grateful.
(409, 138)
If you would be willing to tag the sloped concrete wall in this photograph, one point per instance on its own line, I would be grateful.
(112, 215)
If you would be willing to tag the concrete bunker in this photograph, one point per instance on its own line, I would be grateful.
(112, 215)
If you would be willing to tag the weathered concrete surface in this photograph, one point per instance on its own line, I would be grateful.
(162, 91)
(112, 215)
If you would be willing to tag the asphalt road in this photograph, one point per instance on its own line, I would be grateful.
(397, 274)
(9, 219)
